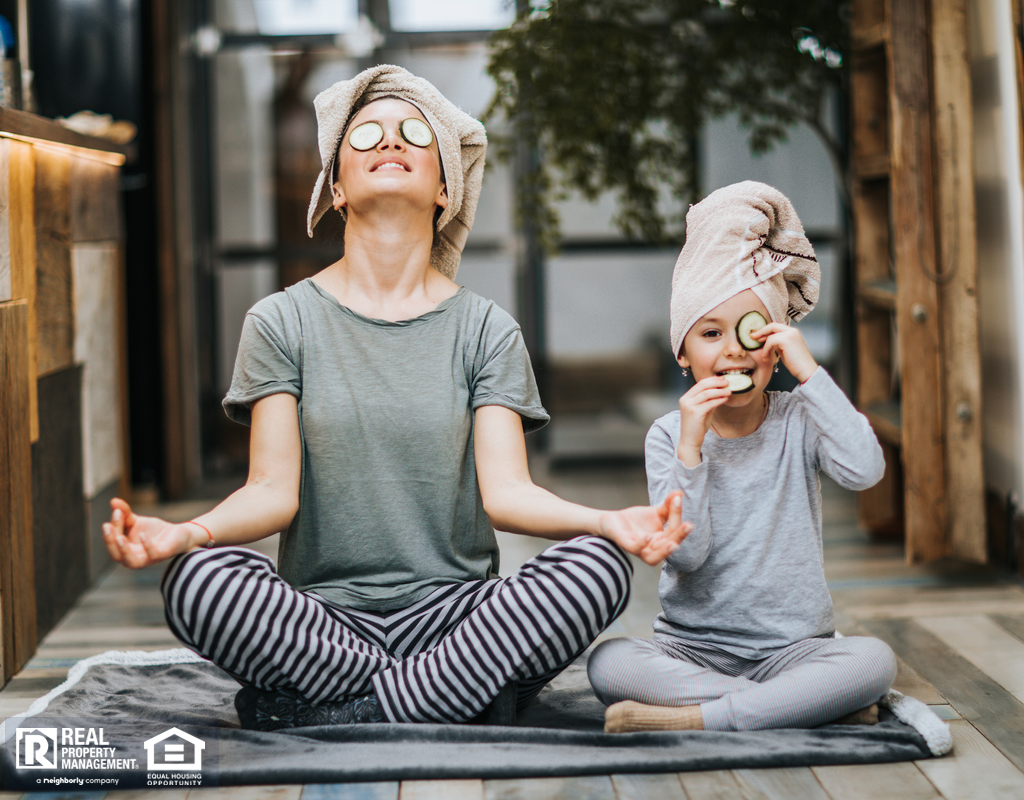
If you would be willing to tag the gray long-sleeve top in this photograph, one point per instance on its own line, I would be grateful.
(750, 578)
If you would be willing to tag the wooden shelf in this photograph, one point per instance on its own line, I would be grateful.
(870, 38)
(886, 419)
(875, 167)
(23, 125)
(880, 294)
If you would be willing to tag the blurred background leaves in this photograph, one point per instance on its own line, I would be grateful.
(615, 93)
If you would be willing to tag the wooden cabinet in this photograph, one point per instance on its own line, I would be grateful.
(915, 265)
(63, 446)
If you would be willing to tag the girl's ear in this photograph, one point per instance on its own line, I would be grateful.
(683, 361)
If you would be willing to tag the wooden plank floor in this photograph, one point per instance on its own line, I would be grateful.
(958, 631)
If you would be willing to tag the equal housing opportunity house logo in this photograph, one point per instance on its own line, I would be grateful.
(174, 750)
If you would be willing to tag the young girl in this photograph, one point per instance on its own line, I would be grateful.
(746, 639)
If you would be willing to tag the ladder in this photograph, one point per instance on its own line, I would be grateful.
(915, 268)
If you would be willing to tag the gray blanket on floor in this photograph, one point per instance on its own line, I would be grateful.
(127, 706)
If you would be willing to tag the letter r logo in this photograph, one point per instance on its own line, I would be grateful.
(37, 748)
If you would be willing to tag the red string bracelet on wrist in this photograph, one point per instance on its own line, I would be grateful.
(209, 543)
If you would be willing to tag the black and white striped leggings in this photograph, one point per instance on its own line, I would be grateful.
(442, 659)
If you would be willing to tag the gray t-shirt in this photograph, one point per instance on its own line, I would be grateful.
(389, 506)
(750, 577)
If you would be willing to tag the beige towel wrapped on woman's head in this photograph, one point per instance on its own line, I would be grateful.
(743, 236)
(461, 140)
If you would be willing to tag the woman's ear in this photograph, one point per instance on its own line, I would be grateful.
(442, 197)
(338, 196)
(683, 361)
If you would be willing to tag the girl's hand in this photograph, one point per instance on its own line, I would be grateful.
(695, 409)
(789, 343)
(650, 532)
(142, 541)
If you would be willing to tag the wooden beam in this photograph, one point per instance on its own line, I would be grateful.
(917, 294)
(868, 15)
(54, 302)
(880, 508)
(6, 288)
(95, 202)
(182, 461)
(59, 521)
(958, 270)
(21, 183)
(1017, 11)
(97, 345)
(869, 113)
(17, 570)
(124, 488)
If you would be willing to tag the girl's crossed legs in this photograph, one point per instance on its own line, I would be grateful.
(808, 683)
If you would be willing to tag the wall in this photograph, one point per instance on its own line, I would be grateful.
(1000, 213)
(93, 55)
(62, 358)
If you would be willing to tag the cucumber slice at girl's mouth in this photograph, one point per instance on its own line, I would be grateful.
(738, 382)
(750, 322)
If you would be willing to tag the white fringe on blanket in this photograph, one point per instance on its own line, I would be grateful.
(178, 655)
(922, 719)
(919, 717)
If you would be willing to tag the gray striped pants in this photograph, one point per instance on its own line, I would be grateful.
(442, 659)
(808, 683)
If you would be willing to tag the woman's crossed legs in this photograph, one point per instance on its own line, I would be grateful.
(443, 659)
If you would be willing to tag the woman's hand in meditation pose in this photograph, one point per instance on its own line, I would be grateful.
(265, 505)
(516, 504)
(141, 541)
(648, 532)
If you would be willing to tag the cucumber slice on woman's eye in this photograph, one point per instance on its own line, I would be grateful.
(417, 132)
(750, 322)
(738, 382)
(366, 136)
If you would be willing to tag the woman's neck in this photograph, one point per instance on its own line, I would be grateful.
(386, 272)
(735, 423)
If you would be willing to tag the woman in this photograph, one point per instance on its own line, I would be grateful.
(388, 407)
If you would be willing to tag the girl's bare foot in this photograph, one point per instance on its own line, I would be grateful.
(863, 716)
(629, 715)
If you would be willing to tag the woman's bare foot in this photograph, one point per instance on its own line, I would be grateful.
(629, 715)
